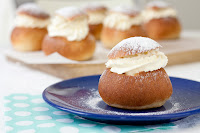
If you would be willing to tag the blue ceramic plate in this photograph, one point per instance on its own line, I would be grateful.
(80, 96)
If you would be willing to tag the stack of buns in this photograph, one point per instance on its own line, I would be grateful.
(135, 77)
(72, 31)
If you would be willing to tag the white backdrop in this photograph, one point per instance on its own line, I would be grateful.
(6, 21)
(187, 11)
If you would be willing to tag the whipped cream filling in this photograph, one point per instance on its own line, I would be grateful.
(30, 22)
(131, 65)
(121, 21)
(74, 30)
(150, 14)
(96, 17)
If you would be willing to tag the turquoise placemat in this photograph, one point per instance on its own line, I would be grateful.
(30, 114)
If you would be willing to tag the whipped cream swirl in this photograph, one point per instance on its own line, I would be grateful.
(131, 65)
(150, 14)
(96, 17)
(121, 21)
(31, 22)
(74, 30)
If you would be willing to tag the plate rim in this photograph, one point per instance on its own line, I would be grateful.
(185, 113)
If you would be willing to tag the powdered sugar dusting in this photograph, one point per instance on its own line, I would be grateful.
(126, 9)
(96, 105)
(94, 6)
(32, 8)
(69, 12)
(160, 4)
(134, 45)
(93, 100)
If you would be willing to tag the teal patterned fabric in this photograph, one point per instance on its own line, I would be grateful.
(30, 114)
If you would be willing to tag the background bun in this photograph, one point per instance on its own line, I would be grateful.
(163, 28)
(74, 50)
(27, 39)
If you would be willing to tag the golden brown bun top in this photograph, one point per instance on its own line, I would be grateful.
(157, 5)
(71, 13)
(33, 10)
(93, 7)
(132, 46)
(127, 10)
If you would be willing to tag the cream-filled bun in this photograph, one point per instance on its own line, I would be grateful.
(135, 77)
(30, 27)
(160, 21)
(68, 34)
(96, 13)
(121, 22)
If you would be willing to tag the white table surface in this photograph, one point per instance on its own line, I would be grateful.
(19, 79)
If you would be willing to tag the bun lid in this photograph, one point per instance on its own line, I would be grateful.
(33, 10)
(157, 5)
(70, 13)
(126, 9)
(132, 46)
(94, 7)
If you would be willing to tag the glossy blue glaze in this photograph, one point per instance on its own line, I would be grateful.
(80, 96)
